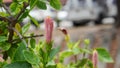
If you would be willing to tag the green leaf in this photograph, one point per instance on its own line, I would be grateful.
(3, 14)
(2, 64)
(55, 4)
(76, 51)
(41, 52)
(70, 45)
(32, 43)
(53, 52)
(43, 55)
(11, 52)
(19, 53)
(76, 44)
(51, 64)
(81, 63)
(60, 65)
(86, 51)
(31, 57)
(34, 21)
(104, 55)
(25, 28)
(1, 1)
(3, 38)
(41, 5)
(15, 7)
(18, 28)
(90, 64)
(5, 46)
(18, 65)
(32, 3)
(65, 54)
(24, 15)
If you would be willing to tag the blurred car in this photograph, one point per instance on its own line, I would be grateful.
(112, 8)
(84, 11)
(39, 14)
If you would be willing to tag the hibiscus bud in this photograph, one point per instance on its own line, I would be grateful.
(95, 58)
(64, 31)
(48, 28)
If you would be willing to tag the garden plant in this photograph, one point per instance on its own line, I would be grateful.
(18, 49)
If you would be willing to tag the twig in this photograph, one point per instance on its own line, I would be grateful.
(75, 57)
(21, 37)
(25, 5)
(6, 8)
(15, 20)
(4, 19)
(28, 37)
(33, 36)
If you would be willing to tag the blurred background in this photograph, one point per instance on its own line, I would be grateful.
(97, 20)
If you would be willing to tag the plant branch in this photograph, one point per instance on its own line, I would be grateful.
(6, 8)
(14, 21)
(25, 5)
(4, 19)
(25, 37)
(21, 37)
(75, 57)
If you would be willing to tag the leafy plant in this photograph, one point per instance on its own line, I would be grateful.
(20, 49)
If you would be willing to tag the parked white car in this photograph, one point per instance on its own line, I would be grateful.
(112, 8)
(84, 11)
(39, 14)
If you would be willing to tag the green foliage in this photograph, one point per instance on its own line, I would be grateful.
(18, 65)
(25, 28)
(84, 63)
(32, 43)
(65, 54)
(32, 3)
(60, 65)
(76, 51)
(19, 56)
(53, 52)
(3, 38)
(51, 64)
(41, 5)
(15, 8)
(31, 57)
(4, 14)
(15, 44)
(55, 4)
(34, 21)
(1, 1)
(24, 15)
(2, 64)
(11, 52)
(104, 55)
(5, 45)
(3, 29)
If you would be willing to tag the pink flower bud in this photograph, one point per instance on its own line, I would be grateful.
(95, 59)
(48, 28)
